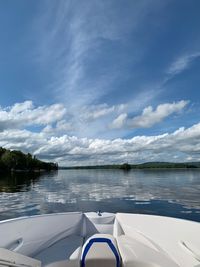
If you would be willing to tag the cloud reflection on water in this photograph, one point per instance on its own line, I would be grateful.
(76, 189)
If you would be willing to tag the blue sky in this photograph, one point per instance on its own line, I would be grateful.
(94, 82)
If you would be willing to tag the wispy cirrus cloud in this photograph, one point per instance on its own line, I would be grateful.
(100, 61)
(182, 63)
(85, 64)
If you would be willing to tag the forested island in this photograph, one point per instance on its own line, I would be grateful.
(18, 161)
(147, 165)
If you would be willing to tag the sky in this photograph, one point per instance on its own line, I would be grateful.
(100, 82)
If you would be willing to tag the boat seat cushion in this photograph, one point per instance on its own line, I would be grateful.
(100, 251)
(135, 253)
(66, 251)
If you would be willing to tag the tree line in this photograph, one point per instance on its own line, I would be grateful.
(18, 161)
(147, 165)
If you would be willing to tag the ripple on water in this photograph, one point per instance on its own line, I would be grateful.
(165, 192)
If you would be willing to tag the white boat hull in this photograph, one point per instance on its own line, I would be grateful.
(60, 239)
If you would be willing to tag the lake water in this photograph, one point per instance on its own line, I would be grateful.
(163, 192)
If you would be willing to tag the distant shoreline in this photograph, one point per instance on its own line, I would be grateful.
(147, 165)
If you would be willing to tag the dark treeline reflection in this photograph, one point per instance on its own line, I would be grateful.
(20, 181)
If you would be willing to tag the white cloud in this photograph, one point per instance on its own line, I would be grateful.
(21, 107)
(25, 114)
(77, 43)
(94, 112)
(149, 117)
(83, 28)
(182, 63)
(54, 143)
(120, 121)
(60, 128)
(57, 120)
(180, 145)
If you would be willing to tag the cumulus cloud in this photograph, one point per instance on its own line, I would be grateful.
(25, 114)
(181, 145)
(86, 121)
(54, 143)
(57, 120)
(149, 117)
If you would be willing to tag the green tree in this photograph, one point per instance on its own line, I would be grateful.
(125, 166)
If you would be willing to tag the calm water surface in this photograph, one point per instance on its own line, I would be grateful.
(165, 192)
